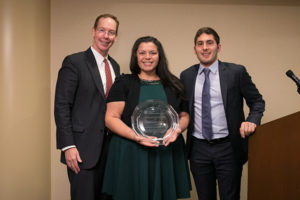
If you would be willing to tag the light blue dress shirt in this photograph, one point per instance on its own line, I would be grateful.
(219, 122)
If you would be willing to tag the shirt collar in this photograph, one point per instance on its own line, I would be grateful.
(97, 55)
(213, 68)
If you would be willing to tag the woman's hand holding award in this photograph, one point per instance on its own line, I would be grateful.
(154, 119)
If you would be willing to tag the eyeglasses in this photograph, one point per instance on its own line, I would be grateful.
(102, 31)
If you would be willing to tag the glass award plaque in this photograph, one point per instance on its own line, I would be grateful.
(154, 119)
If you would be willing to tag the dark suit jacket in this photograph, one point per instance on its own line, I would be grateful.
(236, 85)
(80, 106)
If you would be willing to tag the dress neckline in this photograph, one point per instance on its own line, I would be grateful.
(150, 82)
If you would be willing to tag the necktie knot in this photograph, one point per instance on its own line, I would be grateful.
(105, 61)
(206, 72)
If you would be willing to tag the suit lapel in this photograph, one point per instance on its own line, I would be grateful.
(223, 73)
(193, 81)
(93, 67)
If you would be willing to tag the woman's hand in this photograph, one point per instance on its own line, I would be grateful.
(146, 141)
(172, 137)
(183, 123)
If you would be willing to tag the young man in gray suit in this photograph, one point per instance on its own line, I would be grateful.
(217, 137)
(83, 83)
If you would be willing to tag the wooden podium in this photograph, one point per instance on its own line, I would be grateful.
(274, 160)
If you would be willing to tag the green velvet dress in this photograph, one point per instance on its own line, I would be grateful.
(136, 172)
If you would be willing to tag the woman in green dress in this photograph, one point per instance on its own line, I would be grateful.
(137, 167)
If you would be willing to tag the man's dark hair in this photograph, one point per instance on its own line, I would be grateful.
(209, 31)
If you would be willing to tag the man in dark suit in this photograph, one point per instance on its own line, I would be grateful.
(80, 105)
(217, 136)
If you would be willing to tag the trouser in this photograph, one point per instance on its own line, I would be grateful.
(215, 161)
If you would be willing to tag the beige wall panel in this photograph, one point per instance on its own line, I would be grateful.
(25, 100)
(263, 38)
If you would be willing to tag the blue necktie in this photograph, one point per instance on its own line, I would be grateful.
(206, 108)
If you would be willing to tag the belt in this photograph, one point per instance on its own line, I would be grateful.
(213, 141)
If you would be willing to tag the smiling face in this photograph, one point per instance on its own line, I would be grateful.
(147, 57)
(207, 49)
(104, 35)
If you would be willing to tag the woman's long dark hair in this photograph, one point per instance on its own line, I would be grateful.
(162, 70)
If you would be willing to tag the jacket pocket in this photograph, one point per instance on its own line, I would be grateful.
(77, 129)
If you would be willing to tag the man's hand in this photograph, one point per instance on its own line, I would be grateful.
(72, 159)
(247, 128)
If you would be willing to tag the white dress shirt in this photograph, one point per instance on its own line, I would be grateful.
(101, 66)
(219, 122)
